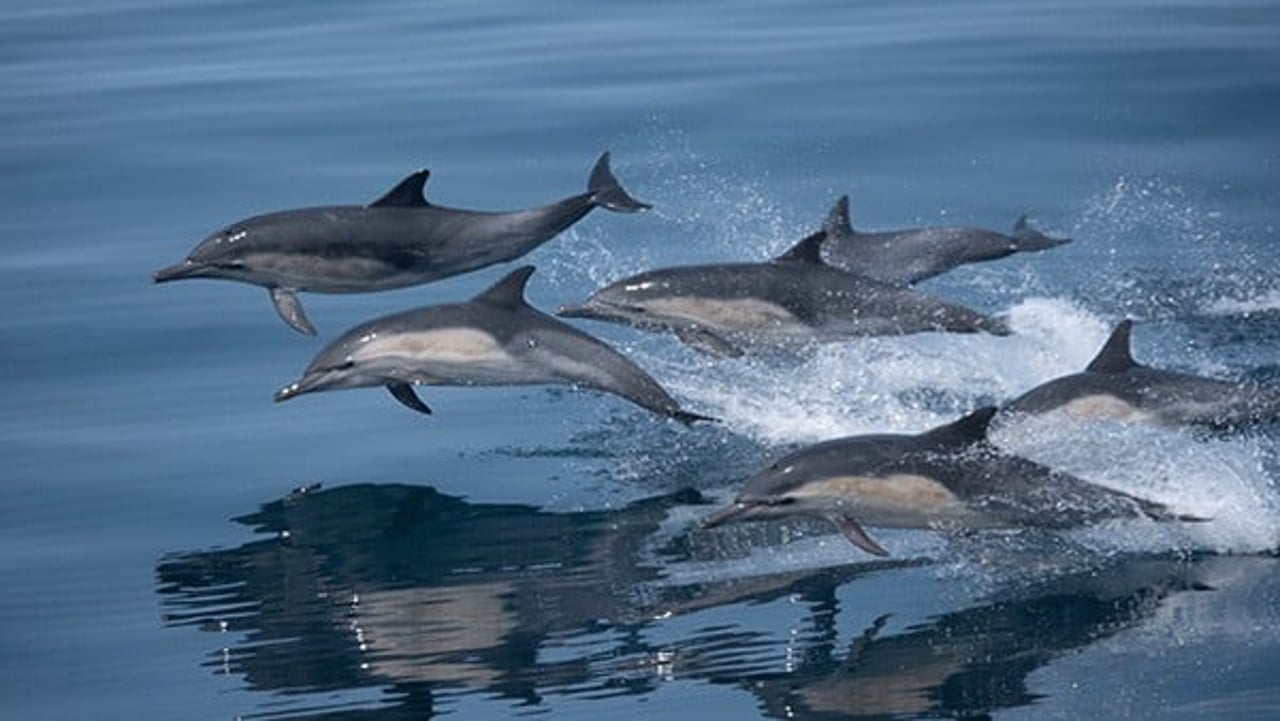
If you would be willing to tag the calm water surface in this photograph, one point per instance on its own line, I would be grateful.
(529, 551)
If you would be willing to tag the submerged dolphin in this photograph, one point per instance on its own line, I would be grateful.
(909, 256)
(494, 339)
(794, 297)
(948, 477)
(397, 240)
(1114, 386)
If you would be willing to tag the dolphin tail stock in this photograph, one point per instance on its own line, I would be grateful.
(606, 191)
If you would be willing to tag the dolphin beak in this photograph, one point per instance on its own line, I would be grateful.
(306, 384)
(177, 271)
(724, 515)
(577, 311)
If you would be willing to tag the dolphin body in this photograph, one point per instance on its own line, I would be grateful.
(1116, 387)
(948, 477)
(396, 241)
(494, 339)
(909, 256)
(795, 297)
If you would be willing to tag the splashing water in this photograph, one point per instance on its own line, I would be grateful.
(911, 383)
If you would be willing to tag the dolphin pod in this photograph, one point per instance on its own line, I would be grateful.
(833, 285)
(396, 241)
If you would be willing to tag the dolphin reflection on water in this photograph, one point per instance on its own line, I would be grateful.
(427, 597)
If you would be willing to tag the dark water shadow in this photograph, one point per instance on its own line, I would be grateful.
(392, 601)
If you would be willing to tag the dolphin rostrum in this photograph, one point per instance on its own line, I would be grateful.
(909, 256)
(948, 477)
(396, 241)
(1116, 387)
(795, 297)
(494, 339)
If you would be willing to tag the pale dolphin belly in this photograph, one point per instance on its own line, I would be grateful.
(732, 315)
(900, 500)
(1102, 406)
(451, 356)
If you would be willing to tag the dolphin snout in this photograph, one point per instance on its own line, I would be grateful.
(185, 269)
(577, 311)
(306, 384)
(724, 515)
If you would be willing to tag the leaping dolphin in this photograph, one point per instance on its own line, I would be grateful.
(796, 297)
(909, 256)
(396, 241)
(948, 477)
(1116, 387)
(494, 339)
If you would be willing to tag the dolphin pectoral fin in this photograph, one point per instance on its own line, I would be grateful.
(290, 310)
(704, 341)
(855, 534)
(403, 392)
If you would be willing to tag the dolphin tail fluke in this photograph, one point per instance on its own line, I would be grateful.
(290, 309)
(1031, 239)
(403, 392)
(606, 191)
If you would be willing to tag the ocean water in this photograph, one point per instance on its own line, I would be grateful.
(175, 545)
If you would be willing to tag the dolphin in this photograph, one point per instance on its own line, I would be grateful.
(948, 477)
(794, 297)
(1116, 387)
(396, 241)
(494, 339)
(910, 256)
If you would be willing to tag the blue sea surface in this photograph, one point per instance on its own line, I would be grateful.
(175, 545)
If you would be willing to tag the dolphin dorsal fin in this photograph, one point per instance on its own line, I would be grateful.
(837, 221)
(509, 292)
(1115, 356)
(1021, 225)
(408, 193)
(808, 250)
(968, 430)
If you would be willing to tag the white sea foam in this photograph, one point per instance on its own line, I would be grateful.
(1266, 302)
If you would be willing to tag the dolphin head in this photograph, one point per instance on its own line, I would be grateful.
(341, 364)
(221, 255)
(835, 481)
(628, 301)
